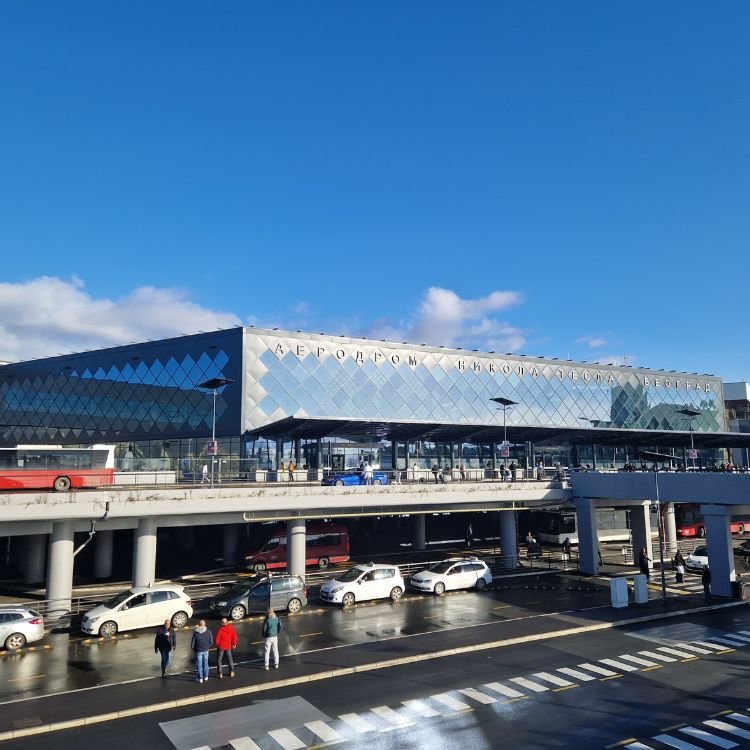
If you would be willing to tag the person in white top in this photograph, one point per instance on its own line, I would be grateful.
(367, 474)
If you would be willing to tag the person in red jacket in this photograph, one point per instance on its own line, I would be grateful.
(226, 642)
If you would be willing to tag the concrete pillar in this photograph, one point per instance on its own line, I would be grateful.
(640, 527)
(419, 534)
(508, 540)
(279, 450)
(297, 452)
(231, 537)
(394, 455)
(33, 571)
(144, 553)
(60, 569)
(720, 555)
(296, 546)
(588, 538)
(103, 553)
(670, 529)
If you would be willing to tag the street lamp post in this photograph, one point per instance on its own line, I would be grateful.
(505, 404)
(213, 385)
(690, 414)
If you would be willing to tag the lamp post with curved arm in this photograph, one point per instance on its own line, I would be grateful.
(213, 385)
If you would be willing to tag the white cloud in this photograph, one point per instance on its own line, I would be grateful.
(47, 316)
(593, 342)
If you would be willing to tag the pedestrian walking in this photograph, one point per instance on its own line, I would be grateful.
(202, 641)
(643, 561)
(679, 567)
(165, 642)
(435, 472)
(271, 630)
(469, 535)
(706, 581)
(204, 474)
(226, 642)
(282, 471)
(566, 550)
(368, 473)
(396, 476)
(292, 467)
(462, 470)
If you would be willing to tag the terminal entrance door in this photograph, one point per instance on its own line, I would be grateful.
(344, 456)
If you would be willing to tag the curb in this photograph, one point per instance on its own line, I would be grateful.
(346, 671)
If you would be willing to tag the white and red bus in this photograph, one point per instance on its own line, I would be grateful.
(52, 467)
(690, 522)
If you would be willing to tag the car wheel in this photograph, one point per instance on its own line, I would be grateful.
(339, 482)
(702, 532)
(295, 605)
(259, 567)
(62, 484)
(108, 629)
(323, 563)
(439, 588)
(377, 481)
(179, 619)
(740, 529)
(396, 593)
(481, 584)
(237, 612)
(348, 599)
(14, 641)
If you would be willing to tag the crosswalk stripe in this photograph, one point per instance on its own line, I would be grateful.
(660, 657)
(202, 747)
(448, 700)
(575, 674)
(478, 695)
(243, 743)
(392, 717)
(714, 646)
(547, 677)
(691, 647)
(744, 632)
(729, 728)
(678, 744)
(508, 692)
(621, 665)
(286, 739)
(357, 723)
(528, 684)
(638, 746)
(326, 733)
(675, 652)
(712, 739)
(728, 641)
(637, 660)
(421, 708)
(738, 636)
(739, 717)
(598, 670)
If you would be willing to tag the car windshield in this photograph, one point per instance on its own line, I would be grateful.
(700, 552)
(116, 601)
(351, 575)
(440, 567)
(239, 589)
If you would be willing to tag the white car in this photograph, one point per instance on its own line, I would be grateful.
(139, 607)
(697, 559)
(364, 582)
(453, 574)
(19, 626)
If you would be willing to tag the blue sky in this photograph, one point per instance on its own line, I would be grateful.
(567, 179)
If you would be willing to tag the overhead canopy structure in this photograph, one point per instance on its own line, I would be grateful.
(312, 428)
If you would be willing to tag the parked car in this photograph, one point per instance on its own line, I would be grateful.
(351, 477)
(453, 574)
(19, 626)
(259, 592)
(743, 549)
(697, 559)
(139, 607)
(364, 582)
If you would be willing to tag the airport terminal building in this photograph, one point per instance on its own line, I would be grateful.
(330, 401)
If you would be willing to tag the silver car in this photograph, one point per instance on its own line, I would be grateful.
(19, 626)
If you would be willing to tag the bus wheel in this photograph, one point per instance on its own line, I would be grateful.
(62, 484)
(323, 563)
(740, 529)
(702, 532)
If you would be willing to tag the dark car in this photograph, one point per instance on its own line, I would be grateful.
(352, 477)
(743, 550)
(259, 592)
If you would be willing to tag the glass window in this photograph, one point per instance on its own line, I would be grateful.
(158, 597)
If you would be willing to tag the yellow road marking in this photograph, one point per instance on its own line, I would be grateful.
(692, 658)
(726, 651)
(620, 743)
(513, 700)
(721, 713)
(567, 687)
(33, 677)
(612, 677)
(309, 635)
(651, 669)
(256, 643)
(673, 727)
(502, 606)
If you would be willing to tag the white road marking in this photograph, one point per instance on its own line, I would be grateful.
(392, 717)
(712, 739)
(421, 708)
(621, 665)
(287, 740)
(739, 717)
(660, 657)
(326, 733)
(722, 726)
(575, 674)
(728, 641)
(667, 739)
(508, 692)
(243, 743)
(546, 676)
(714, 646)
(598, 670)
(478, 695)
(675, 652)
(738, 636)
(357, 723)
(691, 647)
(529, 685)
(637, 660)
(448, 700)
(638, 746)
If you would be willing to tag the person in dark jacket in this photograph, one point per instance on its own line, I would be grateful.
(164, 643)
(271, 630)
(202, 641)
(643, 561)
(706, 581)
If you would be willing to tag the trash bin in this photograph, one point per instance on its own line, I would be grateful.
(741, 590)
(640, 589)
(618, 589)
